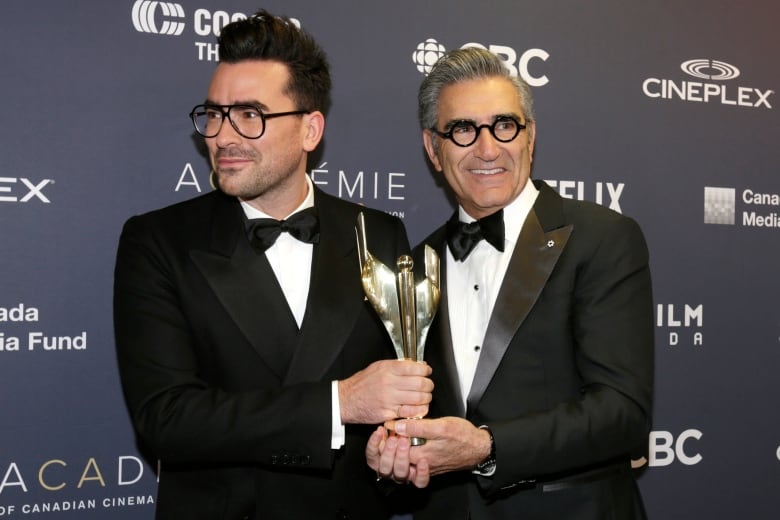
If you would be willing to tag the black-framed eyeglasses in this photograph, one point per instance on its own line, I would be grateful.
(247, 120)
(465, 133)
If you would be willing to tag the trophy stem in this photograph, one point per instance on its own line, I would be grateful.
(406, 303)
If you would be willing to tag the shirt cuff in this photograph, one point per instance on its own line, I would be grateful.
(337, 430)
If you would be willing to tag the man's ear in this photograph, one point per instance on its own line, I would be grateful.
(430, 148)
(531, 129)
(313, 129)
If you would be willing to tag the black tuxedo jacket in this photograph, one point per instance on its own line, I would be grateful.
(564, 379)
(221, 385)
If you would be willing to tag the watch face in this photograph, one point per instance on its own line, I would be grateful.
(487, 464)
(487, 468)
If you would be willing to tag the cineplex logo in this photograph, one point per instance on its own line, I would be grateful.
(761, 209)
(21, 189)
(712, 87)
(428, 52)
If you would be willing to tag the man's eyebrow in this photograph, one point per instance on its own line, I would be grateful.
(495, 117)
(248, 102)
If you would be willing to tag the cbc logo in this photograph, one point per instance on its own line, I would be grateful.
(664, 449)
(145, 14)
(428, 52)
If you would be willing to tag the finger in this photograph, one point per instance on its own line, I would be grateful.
(387, 458)
(420, 389)
(425, 428)
(401, 462)
(412, 368)
(413, 383)
(374, 447)
(408, 411)
(389, 426)
(422, 476)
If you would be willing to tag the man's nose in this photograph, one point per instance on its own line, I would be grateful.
(486, 146)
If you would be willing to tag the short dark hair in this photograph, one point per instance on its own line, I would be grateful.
(264, 36)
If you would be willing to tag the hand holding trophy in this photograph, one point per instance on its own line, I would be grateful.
(406, 309)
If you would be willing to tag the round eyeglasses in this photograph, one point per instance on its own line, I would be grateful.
(247, 120)
(465, 133)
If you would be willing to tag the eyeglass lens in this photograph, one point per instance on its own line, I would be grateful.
(246, 119)
(504, 129)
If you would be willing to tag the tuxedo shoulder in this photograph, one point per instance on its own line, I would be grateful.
(592, 222)
(593, 215)
(202, 204)
(597, 227)
(584, 209)
(186, 221)
(583, 212)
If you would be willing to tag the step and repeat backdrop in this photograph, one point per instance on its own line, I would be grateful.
(665, 111)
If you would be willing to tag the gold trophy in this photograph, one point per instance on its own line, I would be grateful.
(406, 310)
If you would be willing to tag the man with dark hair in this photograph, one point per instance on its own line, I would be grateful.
(542, 349)
(250, 360)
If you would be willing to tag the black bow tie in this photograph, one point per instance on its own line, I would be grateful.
(304, 226)
(463, 238)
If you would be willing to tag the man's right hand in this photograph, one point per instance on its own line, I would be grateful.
(386, 390)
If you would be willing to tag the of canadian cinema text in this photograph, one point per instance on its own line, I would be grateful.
(76, 505)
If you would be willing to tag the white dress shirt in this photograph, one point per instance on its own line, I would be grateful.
(291, 262)
(473, 285)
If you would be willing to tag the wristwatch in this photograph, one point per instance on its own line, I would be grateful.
(487, 467)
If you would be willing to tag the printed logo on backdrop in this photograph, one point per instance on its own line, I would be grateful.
(145, 13)
(681, 324)
(22, 189)
(428, 52)
(369, 186)
(603, 193)
(21, 331)
(665, 449)
(754, 208)
(713, 84)
(62, 485)
(170, 19)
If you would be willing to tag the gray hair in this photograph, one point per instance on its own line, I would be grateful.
(462, 65)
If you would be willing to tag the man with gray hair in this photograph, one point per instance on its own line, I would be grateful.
(542, 349)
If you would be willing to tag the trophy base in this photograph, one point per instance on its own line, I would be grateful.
(416, 441)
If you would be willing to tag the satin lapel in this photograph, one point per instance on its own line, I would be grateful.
(240, 278)
(335, 294)
(533, 259)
